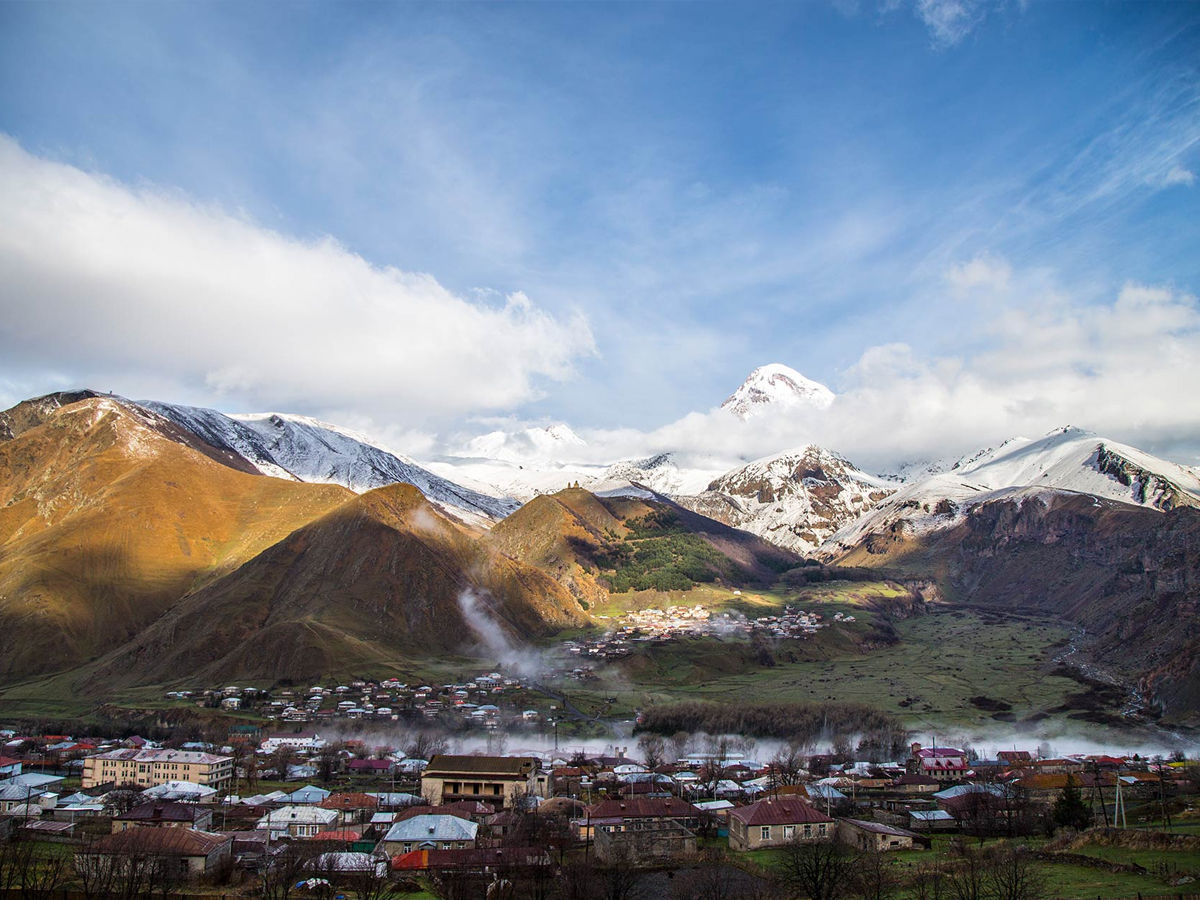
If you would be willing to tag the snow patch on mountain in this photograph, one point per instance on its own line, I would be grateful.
(303, 449)
(776, 387)
(521, 481)
(661, 473)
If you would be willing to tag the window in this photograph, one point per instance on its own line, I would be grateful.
(789, 832)
(765, 832)
(808, 831)
(821, 829)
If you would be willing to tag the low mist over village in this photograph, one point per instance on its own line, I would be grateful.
(599, 451)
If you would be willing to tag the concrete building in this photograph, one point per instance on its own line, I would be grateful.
(876, 836)
(164, 815)
(502, 780)
(777, 822)
(301, 742)
(659, 839)
(147, 768)
(188, 853)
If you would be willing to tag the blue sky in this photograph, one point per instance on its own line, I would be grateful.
(675, 192)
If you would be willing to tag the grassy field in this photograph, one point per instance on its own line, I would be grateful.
(937, 674)
(949, 669)
(1063, 880)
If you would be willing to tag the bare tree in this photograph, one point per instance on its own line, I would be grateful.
(577, 880)
(786, 766)
(679, 743)
(426, 746)
(709, 777)
(1014, 875)
(281, 870)
(619, 878)
(875, 876)
(927, 882)
(282, 757)
(328, 762)
(822, 870)
(122, 799)
(497, 743)
(653, 750)
(712, 879)
(966, 878)
(14, 861)
(45, 874)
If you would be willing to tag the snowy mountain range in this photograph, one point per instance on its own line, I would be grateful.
(1067, 460)
(808, 499)
(302, 449)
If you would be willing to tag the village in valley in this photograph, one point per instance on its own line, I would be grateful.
(298, 803)
(659, 625)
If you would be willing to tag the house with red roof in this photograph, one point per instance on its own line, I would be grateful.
(943, 763)
(352, 808)
(777, 822)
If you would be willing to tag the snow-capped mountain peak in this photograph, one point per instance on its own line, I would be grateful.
(776, 386)
(548, 443)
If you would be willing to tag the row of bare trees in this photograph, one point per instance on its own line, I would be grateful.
(807, 871)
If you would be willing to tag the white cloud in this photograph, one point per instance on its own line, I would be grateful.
(986, 272)
(1042, 359)
(949, 21)
(1179, 175)
(130, 287)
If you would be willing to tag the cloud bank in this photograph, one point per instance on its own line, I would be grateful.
(1033, 358)
(112, 286)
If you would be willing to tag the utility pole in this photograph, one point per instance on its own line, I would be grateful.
(1100, 790)
(1162, 798)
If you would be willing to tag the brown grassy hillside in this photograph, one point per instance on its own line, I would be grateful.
(579, 538)
(375, 581)
(105, 522)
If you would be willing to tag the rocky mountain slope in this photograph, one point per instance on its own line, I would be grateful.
(795, 500)
(1128, 576)
(1067, 459)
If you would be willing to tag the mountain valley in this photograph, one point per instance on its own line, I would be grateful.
(148, 544)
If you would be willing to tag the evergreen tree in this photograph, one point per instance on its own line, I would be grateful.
(1069, 810)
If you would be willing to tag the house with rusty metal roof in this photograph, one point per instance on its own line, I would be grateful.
(777, 822)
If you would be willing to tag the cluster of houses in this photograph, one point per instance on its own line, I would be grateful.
(489, 700)
(474, 813)
(659, 625)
